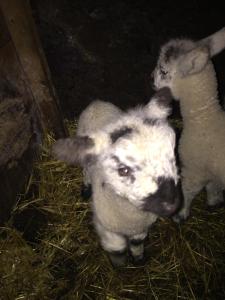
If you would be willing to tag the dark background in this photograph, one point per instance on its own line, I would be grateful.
(108, 49)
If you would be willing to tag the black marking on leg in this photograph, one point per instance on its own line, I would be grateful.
(136, 242)
(137, 260)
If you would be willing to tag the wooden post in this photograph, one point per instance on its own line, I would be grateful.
(21, 27)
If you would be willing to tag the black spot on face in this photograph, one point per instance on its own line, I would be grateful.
(90, 159)
(116, 159)
(171, 52)
(150, 122)
(123, 131)
(132, 178)
(85, 141)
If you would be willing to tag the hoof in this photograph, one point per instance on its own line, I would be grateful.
(86, 191)
(219, 205)
(118, 258)
(179, 219)
(139, 261)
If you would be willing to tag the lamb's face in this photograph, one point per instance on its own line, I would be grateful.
(135, 156)
(182, 57)
(168, 65)
(178, 61)
(140, 166)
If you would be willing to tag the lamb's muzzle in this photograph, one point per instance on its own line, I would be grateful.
(166, 200)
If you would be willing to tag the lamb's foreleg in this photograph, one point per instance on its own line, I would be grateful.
(214, 195)
(114, 243)
(136, 245)
(191, 186)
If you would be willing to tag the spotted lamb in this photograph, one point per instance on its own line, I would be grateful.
(128, 158)
(185, 67)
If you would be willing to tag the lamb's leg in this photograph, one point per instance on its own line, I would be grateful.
(214, 195)
(86, 189)
(115, 244)
(136, 244)
(191, 186)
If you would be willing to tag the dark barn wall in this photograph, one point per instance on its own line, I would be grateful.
(107, 49)
(28, 105)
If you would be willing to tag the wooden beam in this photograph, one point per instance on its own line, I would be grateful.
(22, 29)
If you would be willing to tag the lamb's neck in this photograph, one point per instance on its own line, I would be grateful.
(199, 99)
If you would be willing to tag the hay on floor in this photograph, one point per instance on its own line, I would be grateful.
(55, 253)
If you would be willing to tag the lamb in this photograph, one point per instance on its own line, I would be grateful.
(128, 158)
(185, 67)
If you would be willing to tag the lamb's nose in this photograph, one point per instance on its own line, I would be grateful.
(166, 200)
(167, 188)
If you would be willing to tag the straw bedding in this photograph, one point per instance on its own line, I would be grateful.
(49, 249)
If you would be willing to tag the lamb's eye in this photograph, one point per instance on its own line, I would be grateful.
(124, 171)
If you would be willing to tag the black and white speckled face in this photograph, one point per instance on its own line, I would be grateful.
(173, 61)
(183, 57)
(135, 155)
(135, 161)
(167, 68)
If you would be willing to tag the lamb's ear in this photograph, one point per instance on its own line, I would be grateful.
(159, 106)
(214, 42)
(77, 150)
(193, 61)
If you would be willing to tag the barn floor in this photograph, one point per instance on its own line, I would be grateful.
(48, 249)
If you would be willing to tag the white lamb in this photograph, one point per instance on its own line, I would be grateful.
(128, 158)
(185, 67)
